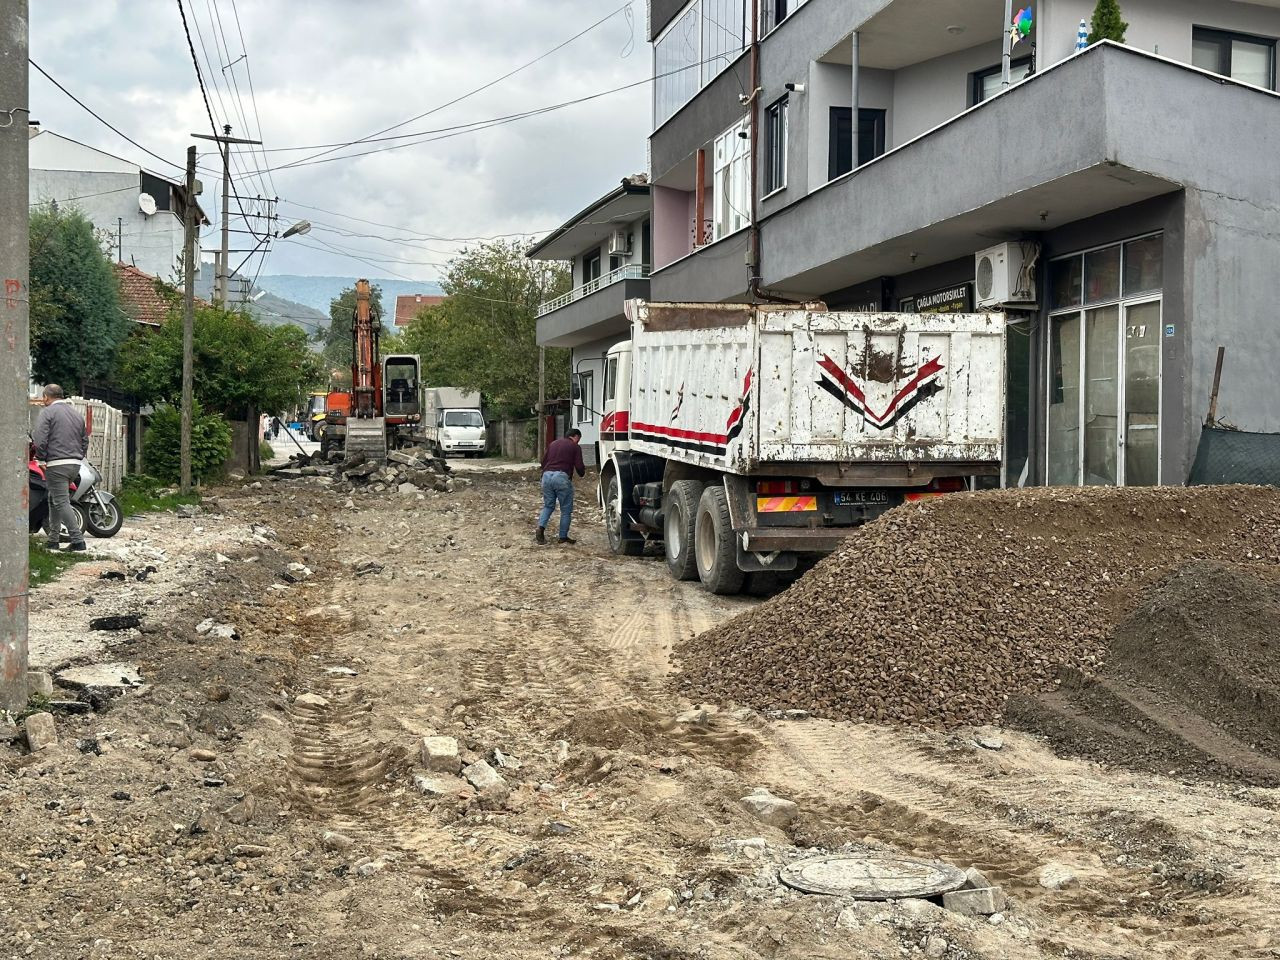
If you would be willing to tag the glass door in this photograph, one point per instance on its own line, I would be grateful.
(1103, 403)
(1141, 438)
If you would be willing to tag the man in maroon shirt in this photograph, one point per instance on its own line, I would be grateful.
(562, 459)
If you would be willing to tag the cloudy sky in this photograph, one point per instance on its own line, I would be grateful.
(332, 71)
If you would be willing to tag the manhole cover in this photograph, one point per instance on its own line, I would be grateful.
(872, 877)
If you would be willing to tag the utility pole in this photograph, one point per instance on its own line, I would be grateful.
(15, 355)
(188, 319)
(220, 276)
(542, 401)
(119, 239)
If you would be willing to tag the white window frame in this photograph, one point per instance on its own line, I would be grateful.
(767, 21)
(1123, 304)
(586, 398)
(731, 187)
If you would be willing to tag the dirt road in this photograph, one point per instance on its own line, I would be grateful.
(302, 832)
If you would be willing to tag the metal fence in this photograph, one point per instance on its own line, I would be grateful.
(1235, 456)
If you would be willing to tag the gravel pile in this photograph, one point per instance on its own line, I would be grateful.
(940, 611)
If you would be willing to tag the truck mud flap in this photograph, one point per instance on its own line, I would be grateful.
(749, 562)
(738, 493)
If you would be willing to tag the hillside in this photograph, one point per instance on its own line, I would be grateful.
(316, 292)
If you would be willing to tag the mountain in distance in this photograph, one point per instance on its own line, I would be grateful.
(267, 307)
(316, 292)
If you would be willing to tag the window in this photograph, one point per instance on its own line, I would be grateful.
(1236, 55)
(775, 146)
(610, 379)
(590, 266)
(463, 418)
(694, 50)
(732, 183)
(986, 83)
(724, 35)
(1104, 366)
(586, 399)
(871, 124)
(773, 12)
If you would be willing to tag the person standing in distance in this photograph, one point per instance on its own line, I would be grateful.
(562, 459)
(61, 442)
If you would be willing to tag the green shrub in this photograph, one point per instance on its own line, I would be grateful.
(210, 445)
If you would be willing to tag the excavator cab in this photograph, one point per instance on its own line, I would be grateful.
(402, 387)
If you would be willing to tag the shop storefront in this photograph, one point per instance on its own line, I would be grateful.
(1105, 329)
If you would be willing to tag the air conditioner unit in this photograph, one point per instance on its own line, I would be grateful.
(1006, 275)
(619, 243)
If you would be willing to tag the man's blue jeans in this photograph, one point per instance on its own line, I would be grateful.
(556, 488)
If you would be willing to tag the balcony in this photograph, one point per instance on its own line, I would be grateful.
(594, 310)
(630, 272)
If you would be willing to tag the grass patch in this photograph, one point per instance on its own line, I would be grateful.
(36, 703)
(47, 564)
(143, 494)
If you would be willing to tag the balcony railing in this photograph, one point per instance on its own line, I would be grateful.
(631, 272)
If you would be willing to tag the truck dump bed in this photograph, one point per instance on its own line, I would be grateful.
(738, 388)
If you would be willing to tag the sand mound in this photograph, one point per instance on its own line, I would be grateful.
(1191, 684)
(938, 612)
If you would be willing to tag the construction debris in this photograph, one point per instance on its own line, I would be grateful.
(940, 611)
(41, 732)
(408, 471)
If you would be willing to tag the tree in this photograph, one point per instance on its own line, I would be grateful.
(1107, 24)
(240, 364)
(77, 325)
(337, 339)
(483, 337)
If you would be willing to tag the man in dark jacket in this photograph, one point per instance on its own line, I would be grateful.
(562, 459)
(61, 441)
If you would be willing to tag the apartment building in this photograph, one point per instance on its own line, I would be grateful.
(610, 249)
(138, 214)
(1139, 181)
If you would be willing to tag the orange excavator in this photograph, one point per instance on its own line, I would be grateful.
(384, 404)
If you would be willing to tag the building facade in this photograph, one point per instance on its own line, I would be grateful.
(138, 215)
(865, 152)
(610, 248)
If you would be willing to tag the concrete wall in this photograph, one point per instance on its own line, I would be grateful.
(1156, 26)
(927, 94)
(151, 243)
(672, 225)
(717, 273)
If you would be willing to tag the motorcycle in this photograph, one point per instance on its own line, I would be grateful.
(96, 508)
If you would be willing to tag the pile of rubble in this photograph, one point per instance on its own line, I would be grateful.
(408, 471)
(938, 612)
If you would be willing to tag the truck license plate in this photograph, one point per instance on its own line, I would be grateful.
(844, 497)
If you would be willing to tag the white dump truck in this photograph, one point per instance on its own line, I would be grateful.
(752, 438)
(453, 422)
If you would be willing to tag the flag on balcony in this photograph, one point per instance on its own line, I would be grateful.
(1022, 24)
(1082, 36)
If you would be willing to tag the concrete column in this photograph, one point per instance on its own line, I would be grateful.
(15, 354)
(854, 55)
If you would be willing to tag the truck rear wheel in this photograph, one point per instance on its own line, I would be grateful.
(679, 522)
(714, 548)
(614, 519)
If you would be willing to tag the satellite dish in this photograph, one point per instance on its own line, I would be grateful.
(147, 203)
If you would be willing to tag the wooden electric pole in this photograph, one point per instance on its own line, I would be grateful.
(542, 401)
(188, 318)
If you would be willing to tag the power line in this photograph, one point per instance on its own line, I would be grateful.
(480, 89)
(83, 196)
(393, 226)
(97, 116)
(478, 125)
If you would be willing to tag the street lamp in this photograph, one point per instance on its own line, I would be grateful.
(297, 230)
